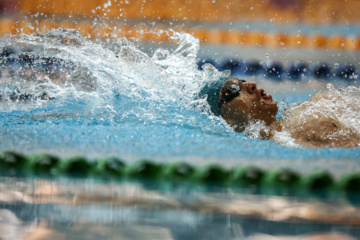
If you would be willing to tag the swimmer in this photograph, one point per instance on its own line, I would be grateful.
(241, 103)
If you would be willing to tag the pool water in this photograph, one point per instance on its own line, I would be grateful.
(66, 208)
(109, 98)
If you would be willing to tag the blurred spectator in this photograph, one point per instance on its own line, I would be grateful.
(285, 3)
(7, 6)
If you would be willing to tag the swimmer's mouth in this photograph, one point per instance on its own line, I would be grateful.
(263, 95)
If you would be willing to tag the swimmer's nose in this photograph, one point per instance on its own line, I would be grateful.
(251, 87)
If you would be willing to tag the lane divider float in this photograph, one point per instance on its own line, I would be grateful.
(143, 32)
(45, 165)
(275, 70)
(17, 60)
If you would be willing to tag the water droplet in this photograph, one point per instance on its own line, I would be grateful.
(330, 87)
(251, 8)
(282, 43)
(336, 65)
(298, 42)
(213, 1)
(267, 55)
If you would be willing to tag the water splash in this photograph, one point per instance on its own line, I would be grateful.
(110, 78)
(339, 105)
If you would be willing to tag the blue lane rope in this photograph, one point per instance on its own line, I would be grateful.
(295, 71)
(14, 60)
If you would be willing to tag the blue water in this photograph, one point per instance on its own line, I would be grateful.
(143, 107)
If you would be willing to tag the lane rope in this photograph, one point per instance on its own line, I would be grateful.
(13, 163)
(236, 37)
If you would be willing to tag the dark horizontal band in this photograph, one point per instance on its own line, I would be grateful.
(12, 163)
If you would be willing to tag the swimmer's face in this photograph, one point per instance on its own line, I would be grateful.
(241, 101)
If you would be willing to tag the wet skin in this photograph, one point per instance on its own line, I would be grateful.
(241, 101)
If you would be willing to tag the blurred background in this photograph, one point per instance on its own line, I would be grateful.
(265, 23)
(314, 32)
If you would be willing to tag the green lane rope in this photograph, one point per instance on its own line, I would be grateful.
(178, 171)
(318, 181)
(15, 163)
(350, 182)
(111, 167)
(211, 173)
(246, 176)
(75, 166)
(41, 164)
(143, 169)
(283, 177)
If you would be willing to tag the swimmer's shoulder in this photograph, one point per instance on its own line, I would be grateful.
(319, 132)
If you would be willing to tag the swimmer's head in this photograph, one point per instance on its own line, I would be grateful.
(241, 101)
